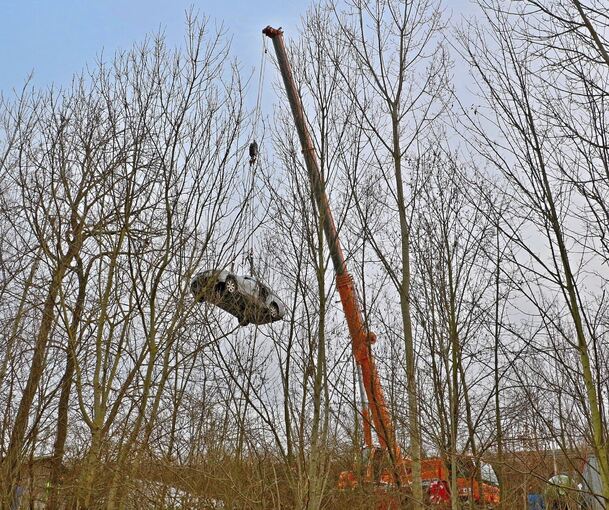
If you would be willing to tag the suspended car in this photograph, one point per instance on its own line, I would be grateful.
(247, 298)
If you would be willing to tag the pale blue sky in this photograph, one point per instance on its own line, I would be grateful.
(57, 38)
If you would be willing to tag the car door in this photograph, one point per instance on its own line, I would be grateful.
(253, 305)
(250, 289)
(263, 294)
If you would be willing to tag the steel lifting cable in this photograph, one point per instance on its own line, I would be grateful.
(258, 109)
(252, 167)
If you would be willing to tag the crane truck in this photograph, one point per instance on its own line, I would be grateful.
(386, 465)
(375, 412)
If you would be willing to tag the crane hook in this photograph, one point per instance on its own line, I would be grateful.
(253, 153)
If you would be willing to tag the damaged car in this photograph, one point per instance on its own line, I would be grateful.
(247, 298)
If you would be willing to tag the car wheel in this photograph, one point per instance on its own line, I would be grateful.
(274, 310)
(230, 285)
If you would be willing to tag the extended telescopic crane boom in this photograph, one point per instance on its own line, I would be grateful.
(361, 337)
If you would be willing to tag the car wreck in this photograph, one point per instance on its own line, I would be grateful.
(247, 298)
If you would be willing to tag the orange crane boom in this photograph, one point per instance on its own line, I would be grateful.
(361, 338)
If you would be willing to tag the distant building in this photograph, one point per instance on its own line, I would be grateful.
(524, 474)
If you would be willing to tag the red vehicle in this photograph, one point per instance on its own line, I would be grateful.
(385, 464)
(476, 482)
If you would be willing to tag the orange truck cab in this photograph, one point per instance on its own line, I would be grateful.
(475, 481)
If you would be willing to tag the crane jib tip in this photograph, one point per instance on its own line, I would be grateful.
(271, 32)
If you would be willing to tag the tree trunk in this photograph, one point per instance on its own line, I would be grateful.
(411, 384)
(64, 399)
(11, 463)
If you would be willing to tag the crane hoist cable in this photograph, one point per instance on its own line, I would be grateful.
(253, 148)
(258, 108)
(253, 163)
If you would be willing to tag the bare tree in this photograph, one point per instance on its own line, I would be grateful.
(530, 134)
(397, 86)
(125, 183)
(452, 299)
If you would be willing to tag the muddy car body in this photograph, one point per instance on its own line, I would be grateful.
(247, 298)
